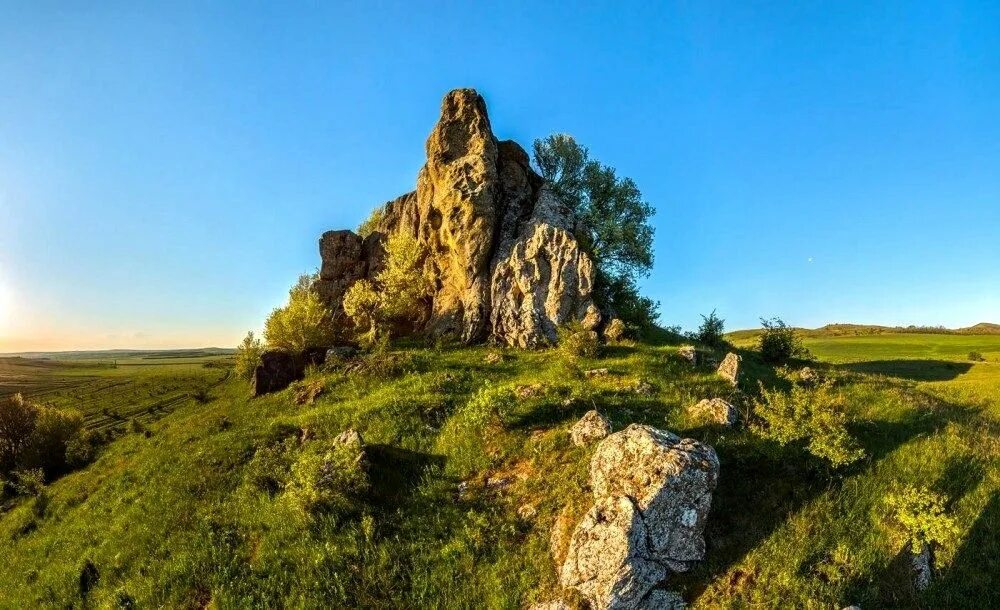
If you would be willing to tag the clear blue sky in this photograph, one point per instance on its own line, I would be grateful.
(165, 171)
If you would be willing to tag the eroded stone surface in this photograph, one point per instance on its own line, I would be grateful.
(652, 493)
(592, 427)
(716, 411)
(730, 368)
(504, 262)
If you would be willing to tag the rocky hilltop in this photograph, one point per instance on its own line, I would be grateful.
(505, 262)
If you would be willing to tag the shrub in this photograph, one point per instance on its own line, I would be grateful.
(269, 467)
(201, 396)
(34, 436)
(711, 330)
(328, 477)
(779, 342)
(371, 224)
(397, 294)
(303, 323)
(976, 357)
(577, 342)
(248, 356)
(814, 415)
(918, 518)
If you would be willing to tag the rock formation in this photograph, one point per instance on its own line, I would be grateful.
(502, 254)
(652, 492)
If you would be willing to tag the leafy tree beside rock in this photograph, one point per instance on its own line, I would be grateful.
(396, 295)
(614, 223)
(302, 323)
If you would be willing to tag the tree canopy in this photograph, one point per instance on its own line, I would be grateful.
(614, 221)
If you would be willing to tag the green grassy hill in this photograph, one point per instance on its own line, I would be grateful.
(471, 469)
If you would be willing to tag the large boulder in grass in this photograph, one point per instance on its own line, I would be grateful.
(502, 252)
(729, 369)
(652, 491)
(277, 370)
(715, 411)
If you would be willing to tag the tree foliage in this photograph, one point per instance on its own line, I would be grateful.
(779, 342)
(614, 221)
(919, 518)
(711, 330)
(302, 323)
(397, 293)
(813, 415)
(248, 355)
(36, 436)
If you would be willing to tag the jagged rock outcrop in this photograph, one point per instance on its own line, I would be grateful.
(504, 261)
(652, 492)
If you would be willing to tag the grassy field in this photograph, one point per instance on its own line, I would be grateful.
(109, 393)
(180, 519)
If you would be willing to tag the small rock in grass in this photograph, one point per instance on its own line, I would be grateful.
(615, 330)
(688, 353)
(730, 368)
(595, 373)
(529, 391)
(716, 411)
(493, 358)
(592, 427)
(644, 388)
(808, 376)
(527, 512)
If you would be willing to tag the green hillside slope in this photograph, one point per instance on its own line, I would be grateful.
(469, 469)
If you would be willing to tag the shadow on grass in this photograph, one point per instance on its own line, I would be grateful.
(763, 484)
(914, 370)
(971, 580)
(395, 473)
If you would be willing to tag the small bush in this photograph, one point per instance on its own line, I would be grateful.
(465, 436)
(269, 467)
(328, 477)
(918, 517)
(248, 355)
(779, 342)
(303, 323)
(813, 415)
(36, 437)
(711, 330)
(201, 396)
(575, 341)
(976, 357)
(396, 297)
(371, 224)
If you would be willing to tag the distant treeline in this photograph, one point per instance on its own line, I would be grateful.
(844, 330)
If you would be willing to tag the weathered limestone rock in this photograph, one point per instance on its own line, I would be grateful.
(921, 564)
(716, 411)
(553, 605)
(730, 368)
(595, 373)
(808, 376)
(689, 353)
(503, 259)
(277, 370)
(653, 491)
(658, 599)
(592, 427)
(610, 561)
(615, 330)
(671, 480)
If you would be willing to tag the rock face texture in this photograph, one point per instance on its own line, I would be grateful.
(592, 427)
(730, 368)
(276, 371)
(502, 254)
(652, 494)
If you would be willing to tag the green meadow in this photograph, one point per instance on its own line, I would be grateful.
(466, 510)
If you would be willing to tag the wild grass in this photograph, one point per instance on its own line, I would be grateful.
(470, 469)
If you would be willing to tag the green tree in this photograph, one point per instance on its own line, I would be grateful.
(302, 323)
(711, 329)
(779, 342)
(614, 220)
(248, 355)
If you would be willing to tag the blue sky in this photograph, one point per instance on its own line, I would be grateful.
(166, 171)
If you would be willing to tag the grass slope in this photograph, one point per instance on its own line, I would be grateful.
(462, 517)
